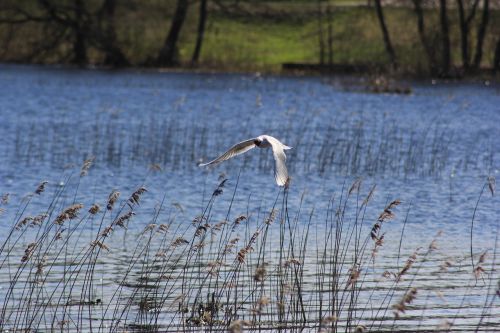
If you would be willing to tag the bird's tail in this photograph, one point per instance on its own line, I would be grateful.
(286, 147)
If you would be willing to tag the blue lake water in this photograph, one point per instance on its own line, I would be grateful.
(433, 149)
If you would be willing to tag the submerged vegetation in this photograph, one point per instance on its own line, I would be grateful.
(109, 266)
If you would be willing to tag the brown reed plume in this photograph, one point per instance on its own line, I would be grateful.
(86, 166)
(401, 306)
(69, 213)
(113, 196)
(41, 187)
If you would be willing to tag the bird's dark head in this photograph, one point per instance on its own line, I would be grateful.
(257, 142)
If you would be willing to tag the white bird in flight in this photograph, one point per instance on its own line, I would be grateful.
(262, 141)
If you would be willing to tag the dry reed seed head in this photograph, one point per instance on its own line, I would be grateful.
(329, 319)
(202, 230)
(238, 220)
(149, 227)
(445, 325)
(260, 274)
(178, 206)
(199, 219)
(40, 265)
(28, 252)
(433, 245)
(38, 220)
(161, 254)
(408, 298)
(41, 187)
(163, 228)
(374, 231)
(293, 261)
(106, 231)
(247, 249)
(219, 190)
(440, 295)
(386, 215)
(58, 235)
(354, 273)
(260, 305)
(445, 265)
(135, 197)
(120, 221)
(69, 213)
(94, 209)
(492, 185)
(155, 167)
(218, 226)
(23, 222)
(380, 240)
(5, 198)
(242, 255)
(99, 244)
(355, 186)
(264, 301)
(482, 257)
(360, 329)
(86, 166)
(236, 326)
(213, 267)
(113, 196)
(272, 216)
(369, 196)
(179, 241)
(479, 270)
(411, 260)
(394, 203)
(230, 246)
(198, 246)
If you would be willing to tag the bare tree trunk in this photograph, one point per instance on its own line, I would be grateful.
(330, 35)
(431, 57)
(113, 55)
(79, 44)
(75, 21)
(481, 33)
(320, 34)
(168, 53)
(465, 22)
(496, 59)
(201, 31)
(387, 40)
(445, 38)
(464, 35)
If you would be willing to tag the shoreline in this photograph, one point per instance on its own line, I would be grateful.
(485, 76)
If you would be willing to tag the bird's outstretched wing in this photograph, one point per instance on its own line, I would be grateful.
(280, 170)
(235, 150)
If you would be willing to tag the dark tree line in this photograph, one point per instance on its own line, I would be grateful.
(75, 23)
(75, 28)
(89, 24)
(439, 54)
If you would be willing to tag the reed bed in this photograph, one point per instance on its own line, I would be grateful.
(111, 266)
(343, 145)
